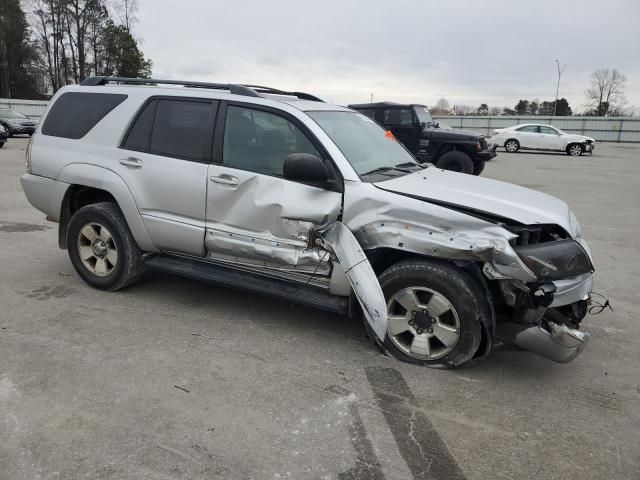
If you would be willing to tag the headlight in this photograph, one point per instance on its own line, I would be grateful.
(556, 260)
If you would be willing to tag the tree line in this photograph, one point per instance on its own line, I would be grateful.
(604, 97)
(46, 44)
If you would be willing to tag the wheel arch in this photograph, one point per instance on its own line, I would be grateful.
(92, 184)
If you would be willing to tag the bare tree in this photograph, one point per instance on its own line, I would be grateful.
(126, 11)
(606, 93)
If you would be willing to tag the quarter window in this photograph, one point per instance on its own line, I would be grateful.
(260, 141)
(140, 133)
(182, 128)
(398, 117)
(75, 113)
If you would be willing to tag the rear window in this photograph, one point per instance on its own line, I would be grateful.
(75, 113)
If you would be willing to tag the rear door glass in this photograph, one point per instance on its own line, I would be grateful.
(182, 129)
(140, 133)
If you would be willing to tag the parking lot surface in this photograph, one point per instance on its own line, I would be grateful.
(172, 378)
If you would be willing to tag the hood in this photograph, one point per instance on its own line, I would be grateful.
(450, 135)
(480, 195)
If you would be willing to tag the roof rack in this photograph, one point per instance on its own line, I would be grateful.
(275, 91)
(246, 90)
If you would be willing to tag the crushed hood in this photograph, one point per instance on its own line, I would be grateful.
(482, 196)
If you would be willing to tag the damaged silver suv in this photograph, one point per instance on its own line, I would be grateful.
(279, 193)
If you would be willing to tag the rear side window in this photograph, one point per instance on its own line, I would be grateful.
(529, 129)
(182, 128)
(75, 113)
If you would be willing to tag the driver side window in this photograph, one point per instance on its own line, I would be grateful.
(548, 130)
(260, 141)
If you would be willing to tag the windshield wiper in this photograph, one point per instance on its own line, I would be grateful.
(410, 164)
(384, 170)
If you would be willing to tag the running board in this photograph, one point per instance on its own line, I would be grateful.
(220, 275)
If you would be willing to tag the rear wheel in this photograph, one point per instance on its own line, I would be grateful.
(456, 162)
(574, 149)
(102, 249)
(433, 312)
(512, 145)
(2, 144)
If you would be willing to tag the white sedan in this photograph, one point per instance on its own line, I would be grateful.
(529, 136)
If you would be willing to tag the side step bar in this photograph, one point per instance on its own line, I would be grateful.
(220, 275)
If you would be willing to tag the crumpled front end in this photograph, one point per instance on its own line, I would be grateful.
(538, 276)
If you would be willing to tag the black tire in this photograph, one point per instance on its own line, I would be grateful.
(461, 292)
(456, 161)
(2, 144)
(572, 148)
(512, 145)
(478, 167)
(129, 266)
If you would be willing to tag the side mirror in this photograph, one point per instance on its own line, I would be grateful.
(304, 167)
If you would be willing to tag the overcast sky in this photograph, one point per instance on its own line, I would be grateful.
(469, 52)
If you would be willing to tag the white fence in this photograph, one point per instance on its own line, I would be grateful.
(31, 108)
(603, 129)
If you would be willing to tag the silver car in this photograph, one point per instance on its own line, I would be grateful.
(281, 194)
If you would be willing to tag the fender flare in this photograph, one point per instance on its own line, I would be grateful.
(104, 179)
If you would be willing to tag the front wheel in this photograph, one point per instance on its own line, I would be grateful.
(102, 249)
(575, 150)
(434, 312)
(478, 167)
(456, 162)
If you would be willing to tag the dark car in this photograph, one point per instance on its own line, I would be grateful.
(3, 136)
(449, 149)
(16, 123)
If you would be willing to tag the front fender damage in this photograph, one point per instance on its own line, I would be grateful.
(337, 238)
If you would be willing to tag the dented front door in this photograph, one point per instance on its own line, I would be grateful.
(254, 215)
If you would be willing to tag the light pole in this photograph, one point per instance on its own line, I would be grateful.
(560, 70)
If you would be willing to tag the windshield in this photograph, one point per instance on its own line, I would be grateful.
(424, 116)
(366, 145)
(11, 114)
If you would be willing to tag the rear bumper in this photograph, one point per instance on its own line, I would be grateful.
(45, 194)
(21, 130)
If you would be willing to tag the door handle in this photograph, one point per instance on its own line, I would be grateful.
(131, 162)
(225, 180)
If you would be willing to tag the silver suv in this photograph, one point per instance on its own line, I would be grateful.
(279, 193)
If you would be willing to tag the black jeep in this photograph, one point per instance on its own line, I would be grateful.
(456, 150)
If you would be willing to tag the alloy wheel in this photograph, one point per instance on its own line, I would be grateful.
(511, 146)
(575, 150)
(97, 249)
(422, 323)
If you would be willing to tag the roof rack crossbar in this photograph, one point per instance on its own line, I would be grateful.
(246, 90)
